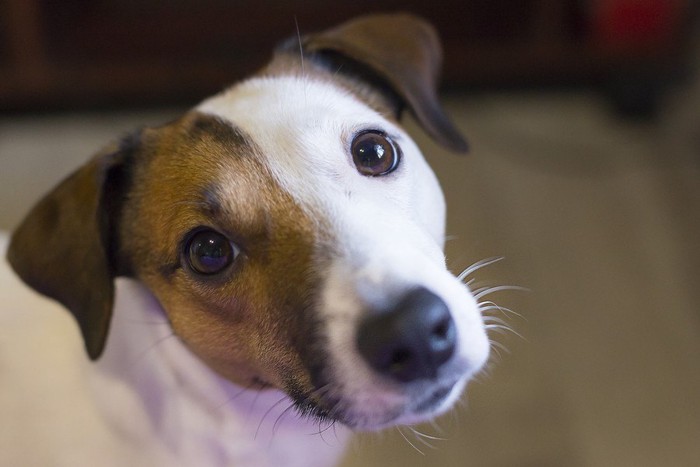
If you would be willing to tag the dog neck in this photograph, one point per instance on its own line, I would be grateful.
(152, 389)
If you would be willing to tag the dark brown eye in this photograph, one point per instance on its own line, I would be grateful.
(209, 252)
(374, 153)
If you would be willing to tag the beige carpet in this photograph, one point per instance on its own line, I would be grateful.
(598, 218)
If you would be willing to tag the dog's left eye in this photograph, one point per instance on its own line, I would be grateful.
(209, 252)
(374, 153)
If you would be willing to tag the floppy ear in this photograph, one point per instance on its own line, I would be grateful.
(403, 50)
(66, 246)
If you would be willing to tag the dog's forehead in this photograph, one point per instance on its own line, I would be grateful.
(279, 102)
(303, 127)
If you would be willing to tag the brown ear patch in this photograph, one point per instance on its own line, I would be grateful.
(65, 247)
(403, 50)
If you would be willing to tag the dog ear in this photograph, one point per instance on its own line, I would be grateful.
(403, 50)
(66, 246)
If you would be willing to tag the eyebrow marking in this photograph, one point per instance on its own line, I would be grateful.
(210, 201)
(212, 127)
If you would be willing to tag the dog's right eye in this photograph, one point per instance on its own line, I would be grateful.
(209, 252)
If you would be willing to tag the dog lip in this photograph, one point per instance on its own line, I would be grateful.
(335, 410)
(434, 399)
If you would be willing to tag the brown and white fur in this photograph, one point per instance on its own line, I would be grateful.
(253, 364)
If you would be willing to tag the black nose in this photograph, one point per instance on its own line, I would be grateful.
(410, 341)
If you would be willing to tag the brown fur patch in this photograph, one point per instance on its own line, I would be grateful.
(245, 323)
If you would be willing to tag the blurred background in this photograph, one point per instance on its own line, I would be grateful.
(584, 121)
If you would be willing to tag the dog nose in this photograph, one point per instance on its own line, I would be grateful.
(412, 340)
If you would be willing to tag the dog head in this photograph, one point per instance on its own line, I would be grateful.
(289, 227)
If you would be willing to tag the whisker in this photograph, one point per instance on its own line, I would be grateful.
(486, 371)
(436, 427)
(504, 328)
(280, 417)
(320, 391)
(478, 265)
(488, 319)
(420, 439)
(266, 414)
(301, 48)
(252, 405)
(337, 71)
(426, 436)
(301, 58)
(239, 393)
(408, 441)
(498, 346)
(496, 355)
(307, 406)
(334, 410)
(142, 354)
(484, 291)
(335, 432)
(322, 431)
(489, 305)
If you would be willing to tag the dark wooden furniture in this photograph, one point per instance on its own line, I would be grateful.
(100, 53)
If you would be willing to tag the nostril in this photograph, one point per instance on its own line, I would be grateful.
(441, 329)
(410, 341)
(399, 359)
(443, 344)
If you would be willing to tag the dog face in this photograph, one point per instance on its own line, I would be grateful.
(290, 229)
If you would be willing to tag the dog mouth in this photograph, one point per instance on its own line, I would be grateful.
(324, 405)
(433, 400)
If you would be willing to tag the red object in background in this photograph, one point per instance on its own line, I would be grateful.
(636, 25)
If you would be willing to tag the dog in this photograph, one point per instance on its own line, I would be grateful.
(263, 270)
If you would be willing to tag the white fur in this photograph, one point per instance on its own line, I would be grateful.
(389, 229)
(147, 402)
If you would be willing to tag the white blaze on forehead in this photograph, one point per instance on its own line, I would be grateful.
(304, 128)
(300, 125)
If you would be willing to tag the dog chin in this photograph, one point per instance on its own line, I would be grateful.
(422, 407)
(434, 403)
(430, 401)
